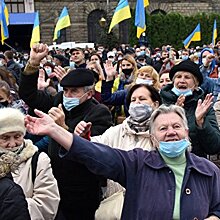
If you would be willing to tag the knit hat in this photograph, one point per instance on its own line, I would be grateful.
(11, 120)
(188, 66)
(78, 78)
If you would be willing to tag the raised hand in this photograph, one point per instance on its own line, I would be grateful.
(180, 101)
(110, 70)
(57, 114)
(38, 52)
(82, 128)
(202, 109)
(209, 59)
(41, 83)
(39, 126)
(59, 72)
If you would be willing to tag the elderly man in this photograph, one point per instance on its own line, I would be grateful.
(79, 189)
(168, 183)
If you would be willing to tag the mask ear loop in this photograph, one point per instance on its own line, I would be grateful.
(154, 142)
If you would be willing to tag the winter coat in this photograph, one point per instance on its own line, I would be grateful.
(150, 183)
(205, 140)
(13, 205)
(42, 196)
(117, 98)
(122, 137)
(80, 190)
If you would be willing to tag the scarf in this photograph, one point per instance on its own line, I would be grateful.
(138, 126)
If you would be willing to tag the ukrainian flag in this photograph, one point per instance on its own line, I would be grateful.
(35, 38)
(214, 34)
(140, 16)
(194, 36)
(63, 22)
(122, 12)
(4, 21)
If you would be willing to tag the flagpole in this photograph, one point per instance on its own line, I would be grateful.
(10, 46)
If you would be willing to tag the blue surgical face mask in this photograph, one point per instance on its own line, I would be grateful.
(142, 52)
(185, 57)
(173, 148)
(48, 71)
(72, 64)
(70, 103)
(144, 81)
(179, 92)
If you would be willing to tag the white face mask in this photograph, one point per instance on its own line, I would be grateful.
(1, 63)
(111, 59)
(204, 60)
(140, 112)
(14, 149)
(144, 81)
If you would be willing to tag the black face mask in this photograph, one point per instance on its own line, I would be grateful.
(3, 104)
(127, 72)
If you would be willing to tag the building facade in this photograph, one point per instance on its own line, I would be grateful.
(85, 17)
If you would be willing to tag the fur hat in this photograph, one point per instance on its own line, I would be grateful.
(11, 120)
(188, 66)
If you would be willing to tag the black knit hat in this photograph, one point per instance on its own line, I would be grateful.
(188, 66)
(78, 78)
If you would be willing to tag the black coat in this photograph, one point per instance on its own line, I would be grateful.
(13, 205)
(79, 188)
(204, 140)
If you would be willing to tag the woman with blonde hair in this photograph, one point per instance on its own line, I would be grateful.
(99, 76)
(148, 75)
(127, 73)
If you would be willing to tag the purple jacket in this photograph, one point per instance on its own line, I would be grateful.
(150, 183)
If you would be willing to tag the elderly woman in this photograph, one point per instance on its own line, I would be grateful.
(142, 100)
(35, 178)
(185, 91)
(160, 184)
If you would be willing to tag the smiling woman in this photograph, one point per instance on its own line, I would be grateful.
(185, 91)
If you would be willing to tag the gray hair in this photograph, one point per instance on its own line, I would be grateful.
(164, 109)
(88, 88)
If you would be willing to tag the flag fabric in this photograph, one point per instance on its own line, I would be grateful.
(63, 22)
(35, 38)
(122, 12)
(214, 33)
(140, 16)
(4, 21)
(194, 36)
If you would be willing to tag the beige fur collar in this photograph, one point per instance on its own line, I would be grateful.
(9, 161)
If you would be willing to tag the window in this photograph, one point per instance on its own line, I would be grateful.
(15, 6)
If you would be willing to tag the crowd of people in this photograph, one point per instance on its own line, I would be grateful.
(100, 133)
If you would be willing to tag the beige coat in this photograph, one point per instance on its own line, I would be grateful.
(42, 197)
(122, 137)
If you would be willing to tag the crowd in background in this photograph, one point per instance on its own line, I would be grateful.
(107, 96)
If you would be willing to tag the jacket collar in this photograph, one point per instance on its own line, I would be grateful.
(155, 161)
(170, 98)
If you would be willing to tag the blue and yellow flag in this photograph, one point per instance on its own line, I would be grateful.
(214, 33)
(4, 19)
(140, 16)
(122, 12)
(63, 22)
(35, 38)
(194, 36)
